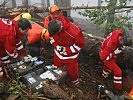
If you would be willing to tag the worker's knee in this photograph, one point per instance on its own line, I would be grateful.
(118, 72)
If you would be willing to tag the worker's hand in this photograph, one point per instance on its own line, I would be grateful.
(117, 51)
(101, 88)
(54, 66)
(27, 58)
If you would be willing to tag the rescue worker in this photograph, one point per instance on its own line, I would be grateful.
(67, 42)
(32, 46)
(32, 40)
(27, 16)
(11, 34)
(36, 36)
(108, 52)
(55, 13)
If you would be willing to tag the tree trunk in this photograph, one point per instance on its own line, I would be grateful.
(54, 91)
(13, 3)
(25, 3)
(43, 3)
(63, 3)
(111, 12)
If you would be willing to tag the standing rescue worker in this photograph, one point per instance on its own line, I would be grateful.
(108, 53)
(67, 42)
(55, 13)
(11, 34)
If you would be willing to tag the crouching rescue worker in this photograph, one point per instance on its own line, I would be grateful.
(11, 34)
(27, 16)
(37, 37)
(67, 43)
(108, 52)
(32, 39)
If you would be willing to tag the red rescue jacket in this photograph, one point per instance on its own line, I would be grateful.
(71, 38)
(60, 17)
(110, 44)
(10, 40)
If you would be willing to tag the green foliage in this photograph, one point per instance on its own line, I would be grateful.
(15, 87)
(1, 84)
(107, 18)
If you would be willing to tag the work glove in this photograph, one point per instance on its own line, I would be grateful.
(27, 58)
(101, 88)
(117, 51)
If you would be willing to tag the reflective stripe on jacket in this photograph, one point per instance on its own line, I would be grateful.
(71, 39)
(110, 44)
(10, 40)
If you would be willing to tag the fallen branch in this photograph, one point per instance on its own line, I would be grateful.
(93, 36)
(93, 80)
(40, 98)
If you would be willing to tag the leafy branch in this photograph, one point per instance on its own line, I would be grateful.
(106, 18)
